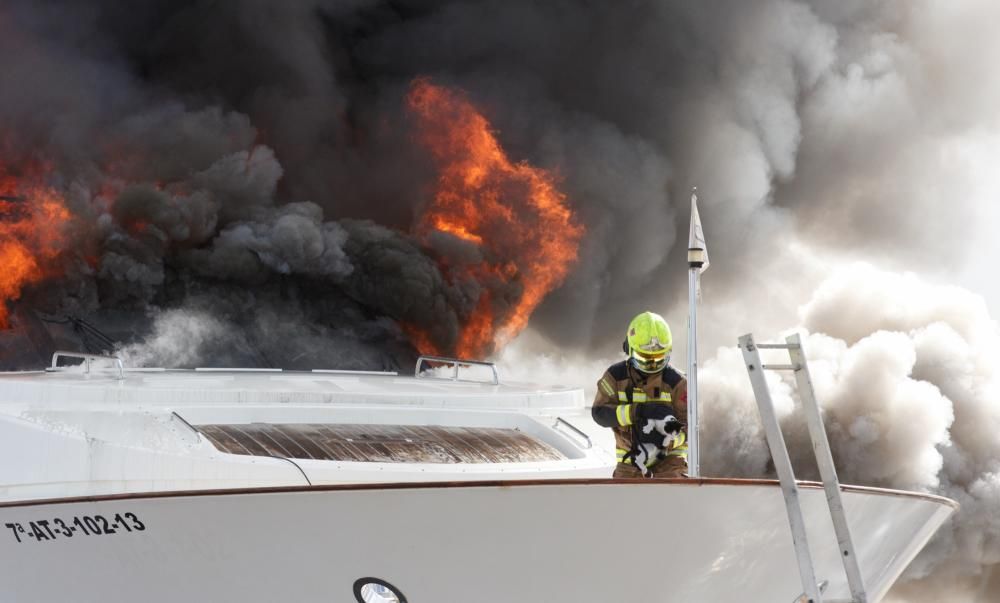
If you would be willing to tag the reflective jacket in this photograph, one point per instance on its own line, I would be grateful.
(622, 389)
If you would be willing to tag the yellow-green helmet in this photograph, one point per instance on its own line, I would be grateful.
(649, 342)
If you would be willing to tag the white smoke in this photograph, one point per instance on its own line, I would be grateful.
(906, 373)
(929, 400)
(178, 339)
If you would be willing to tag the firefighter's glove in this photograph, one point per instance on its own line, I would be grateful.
(657, 411)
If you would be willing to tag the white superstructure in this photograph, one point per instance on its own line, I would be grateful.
(75, 433)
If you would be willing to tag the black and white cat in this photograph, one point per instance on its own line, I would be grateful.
(653, 438)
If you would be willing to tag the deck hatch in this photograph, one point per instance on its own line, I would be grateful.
(380, 443)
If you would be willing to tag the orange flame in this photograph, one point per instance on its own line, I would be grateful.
(513, 211)
(32, 219)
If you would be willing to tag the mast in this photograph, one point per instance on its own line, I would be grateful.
(697, 263)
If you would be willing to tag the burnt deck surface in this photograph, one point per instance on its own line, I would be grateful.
(380, 443)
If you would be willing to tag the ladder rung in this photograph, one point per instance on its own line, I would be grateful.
(778, 346)
(780, 367)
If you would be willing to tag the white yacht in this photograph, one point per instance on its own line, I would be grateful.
(257, 486)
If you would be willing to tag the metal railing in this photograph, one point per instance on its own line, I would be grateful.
(576, 430)
(456, 363)
(87, 359)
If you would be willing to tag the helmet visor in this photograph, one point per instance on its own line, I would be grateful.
(649, 362)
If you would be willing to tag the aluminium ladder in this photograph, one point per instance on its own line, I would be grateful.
(812, 591)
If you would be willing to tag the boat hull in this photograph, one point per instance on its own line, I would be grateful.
(581, 541)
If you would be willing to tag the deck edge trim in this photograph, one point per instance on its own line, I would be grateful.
(705, 481)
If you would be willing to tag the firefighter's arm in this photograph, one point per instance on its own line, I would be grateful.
(606, 410)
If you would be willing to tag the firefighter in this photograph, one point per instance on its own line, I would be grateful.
(641, 388)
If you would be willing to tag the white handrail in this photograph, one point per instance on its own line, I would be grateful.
(576, 430)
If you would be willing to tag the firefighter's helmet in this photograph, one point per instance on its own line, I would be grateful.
(648, 342)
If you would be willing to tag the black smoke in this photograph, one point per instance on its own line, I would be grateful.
(242, 135)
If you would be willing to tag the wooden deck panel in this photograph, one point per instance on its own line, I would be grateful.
(380, 443)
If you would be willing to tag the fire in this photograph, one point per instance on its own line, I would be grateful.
(32, 220)
(512, 211)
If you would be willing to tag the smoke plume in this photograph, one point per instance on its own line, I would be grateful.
(243, 183)
(907, 375)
